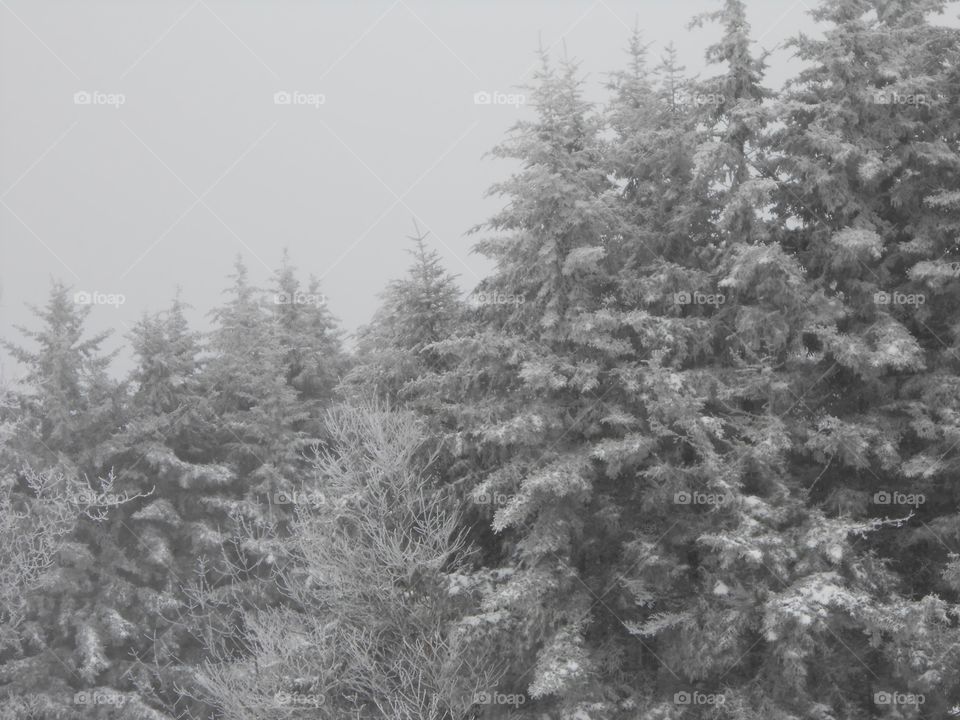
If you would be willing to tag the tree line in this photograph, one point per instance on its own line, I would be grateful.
(690, 449)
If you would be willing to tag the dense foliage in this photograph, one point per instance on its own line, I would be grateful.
(689, 450)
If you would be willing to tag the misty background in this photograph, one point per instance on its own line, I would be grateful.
(199, 163)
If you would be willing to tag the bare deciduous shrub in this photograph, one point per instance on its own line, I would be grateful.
(370, 629)
(35, 520)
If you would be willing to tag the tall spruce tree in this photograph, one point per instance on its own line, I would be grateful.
(167, 454)
(868, 165)
(68, 410)
(536, 414)
(394, 350)
(313, 356)
(273, 359)
(69, 404)
(259, 418)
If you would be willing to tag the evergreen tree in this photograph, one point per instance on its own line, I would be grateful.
(166, 453)
(256, 408)
(694, 436)
(69, 405)
(68, 412)
(313, 355)
(394, 351)
(868, 165)
(597, 424)
(273, 360)
(533, 392)
(652, 115)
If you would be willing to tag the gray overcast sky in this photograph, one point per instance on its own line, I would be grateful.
(199, 163)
